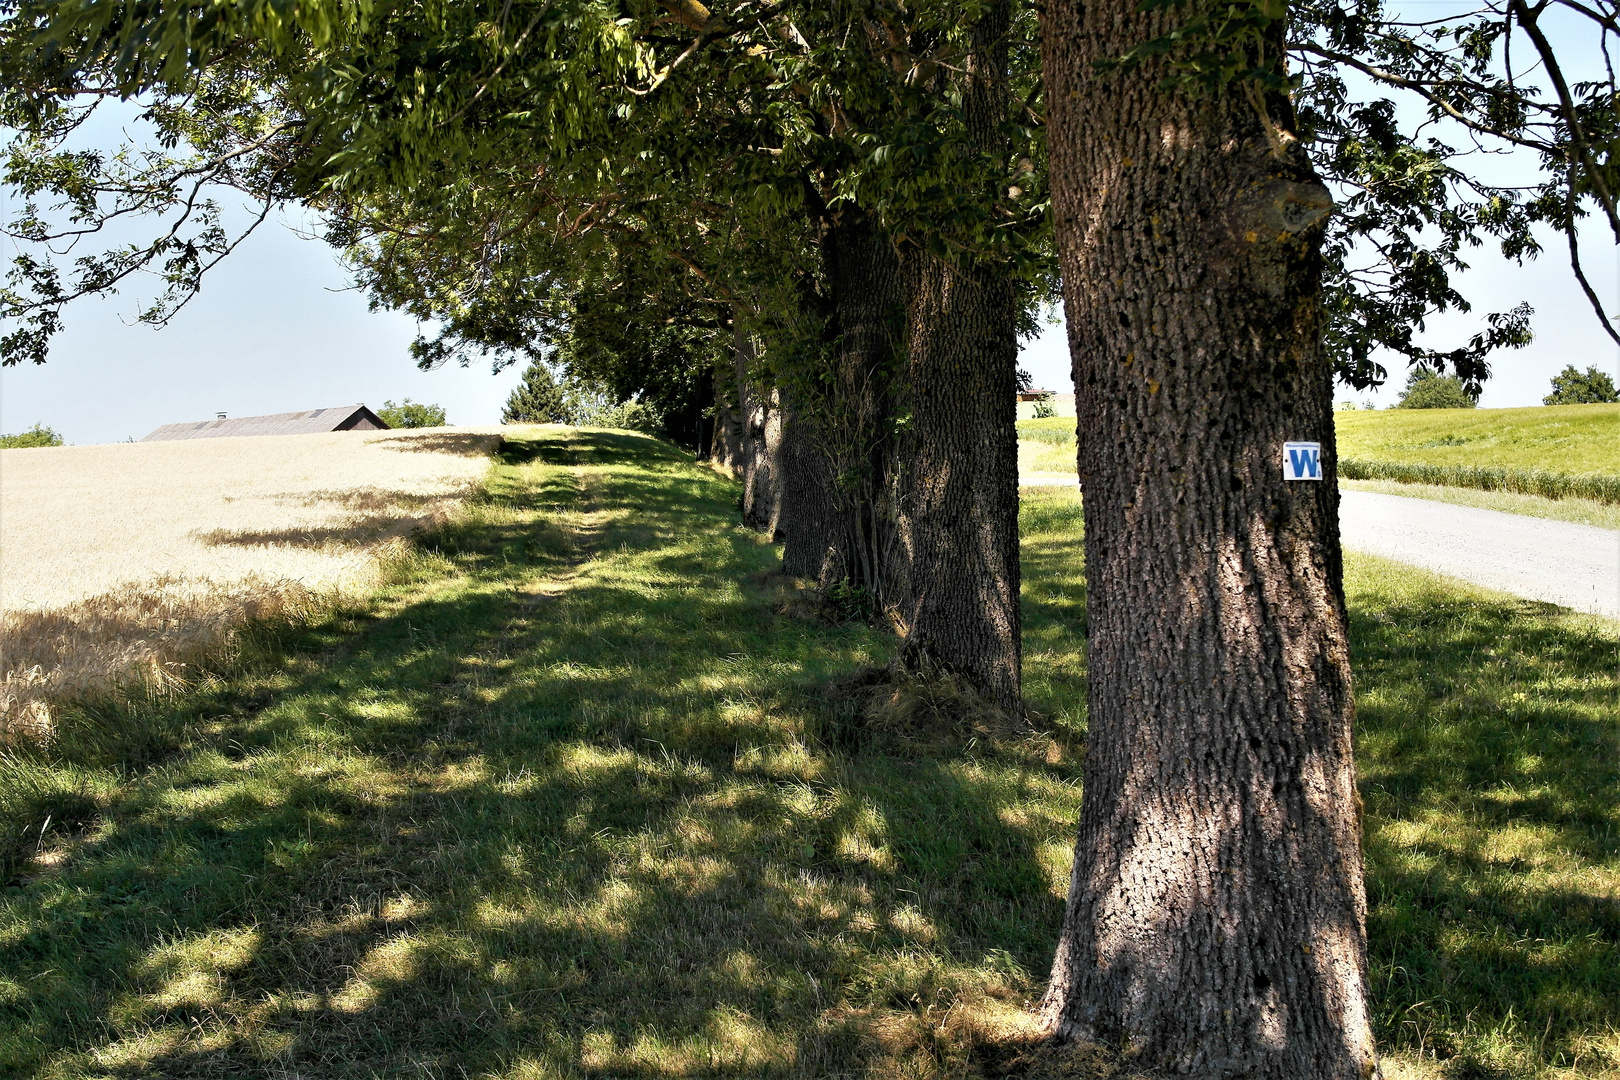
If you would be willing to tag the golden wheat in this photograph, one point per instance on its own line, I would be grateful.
(125, 567)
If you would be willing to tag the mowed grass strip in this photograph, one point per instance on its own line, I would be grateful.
(577, 803)
(1576, 510)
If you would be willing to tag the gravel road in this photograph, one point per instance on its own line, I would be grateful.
(1574, 566)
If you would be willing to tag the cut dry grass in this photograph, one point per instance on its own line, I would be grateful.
(84, 521)
(142, 641)
(127, 571)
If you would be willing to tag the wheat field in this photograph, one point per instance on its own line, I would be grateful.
(125, 567)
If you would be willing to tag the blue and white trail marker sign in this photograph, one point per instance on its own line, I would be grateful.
(1302, 461)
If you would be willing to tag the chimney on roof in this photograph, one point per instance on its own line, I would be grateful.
(220, 415)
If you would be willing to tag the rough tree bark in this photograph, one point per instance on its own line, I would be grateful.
(762, 447)
(956, 487)
(750, 434)
(727, 450)
(808, 513)
(836, 425)
(1215, 922)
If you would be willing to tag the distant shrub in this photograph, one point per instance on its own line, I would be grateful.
(545, 398)
(1591, 387)
(630, 415)
(1605, 489)
(411, 414)
(1044, 410)
(1428, 389)
(38, 435)
(538, 399)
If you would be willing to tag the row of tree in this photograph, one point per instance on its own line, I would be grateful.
(808, 234)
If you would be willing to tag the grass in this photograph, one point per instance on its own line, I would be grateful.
(1547, 485)
(1556, 451)
(1046, 445)
(1567, 439)
(574, 802)
(1579, 511)
(1528, 458)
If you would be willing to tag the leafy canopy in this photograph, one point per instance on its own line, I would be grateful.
(1428, 389)
(411, 414)
(480, 156)
(1590, 387)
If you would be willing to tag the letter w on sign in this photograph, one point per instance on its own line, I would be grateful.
(1302, 461)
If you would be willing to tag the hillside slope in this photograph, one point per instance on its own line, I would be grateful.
(1580, 439)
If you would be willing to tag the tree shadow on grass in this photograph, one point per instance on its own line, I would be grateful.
(594, 831)
(466, 443)
(361, 531)
(1487, 743)
(590, 833)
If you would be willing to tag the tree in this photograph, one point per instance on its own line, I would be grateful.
(1571, 387)
(411, 414)
(1428, 389)
(38, 435)
(538, 399)
(1215, 918)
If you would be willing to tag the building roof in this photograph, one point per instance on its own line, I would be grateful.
(341, 418)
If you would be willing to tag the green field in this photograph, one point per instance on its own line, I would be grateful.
(575, 801)
(1581, 439)
(1046, 445)
(1527, 461)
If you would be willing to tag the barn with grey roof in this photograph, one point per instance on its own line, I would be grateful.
(315, 421)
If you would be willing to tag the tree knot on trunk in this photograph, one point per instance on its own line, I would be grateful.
(1280, 210)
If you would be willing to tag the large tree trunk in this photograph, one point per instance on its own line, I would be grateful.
(759, 441)
(957, 478)
(1215, 923)
(808, 514)
(727, 448)
(837, 434)
(956, 488)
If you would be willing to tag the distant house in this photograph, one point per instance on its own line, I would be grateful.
(342, 418)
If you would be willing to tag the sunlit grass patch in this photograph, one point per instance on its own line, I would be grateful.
(1489, 752)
